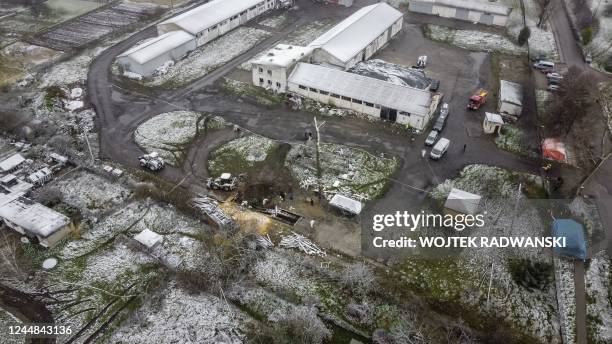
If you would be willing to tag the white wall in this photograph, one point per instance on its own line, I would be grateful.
(270, 77)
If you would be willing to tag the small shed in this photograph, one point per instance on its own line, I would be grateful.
(11, 163)
(462, 202)
(346, 204)
(510, 98)
(148, 238)
(492, 123)
(573, 233)
(554, 149)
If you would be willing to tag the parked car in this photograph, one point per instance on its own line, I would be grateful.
(554, 82)
(538, 58)
(434, 86)
(553, 87)
(541, 65)
(554, 75)
(441, 121)
(431, 138)
(588, 58)
(439, 149)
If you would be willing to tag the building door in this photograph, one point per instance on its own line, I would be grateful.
(462, 14)
(486, 19)
(388, 114)
(421, 7)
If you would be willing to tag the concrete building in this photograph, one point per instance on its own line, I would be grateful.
(215, 18)
(376, 98)
(358, 37)
(33, 219)
(492, 123)
(11, 163)
(469, 10)
(271, 69)
(510, 98)
(145, 58)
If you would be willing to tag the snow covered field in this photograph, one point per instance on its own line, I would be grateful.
(240, 153)
(599, 298)
(473, 40)
(274, 22)
(180, 316)
(169, 134)
(91, 193)
(541, 40)
(209, 57)
(349, 171)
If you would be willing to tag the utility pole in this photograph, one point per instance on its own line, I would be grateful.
(318, 157)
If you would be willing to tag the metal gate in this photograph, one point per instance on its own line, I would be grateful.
(421, 7)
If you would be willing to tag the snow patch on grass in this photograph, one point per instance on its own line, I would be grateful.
(240, 154)
(209, 57)
(514, 140)
(599, 298)
(112, 263)
(473, 40)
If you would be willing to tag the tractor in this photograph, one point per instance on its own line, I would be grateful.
(225, 182)
(151, 161)
(477, 100)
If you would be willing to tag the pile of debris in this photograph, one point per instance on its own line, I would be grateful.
(299, 241)
(211, 208)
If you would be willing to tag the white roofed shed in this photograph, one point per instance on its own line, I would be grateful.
(462, 202)
(346, 204)
(148, 238)
(510, 98)
(11, 163)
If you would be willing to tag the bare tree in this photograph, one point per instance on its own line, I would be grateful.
(50, 196)
(547, 7)
(8, 256)
(304, 326)
(412, 331)
(359, 278)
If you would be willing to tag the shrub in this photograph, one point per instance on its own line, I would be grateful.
(524, 35)
(587, 35)
(531, 275)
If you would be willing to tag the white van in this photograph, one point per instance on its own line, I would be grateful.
(544, 65)
(439, 149)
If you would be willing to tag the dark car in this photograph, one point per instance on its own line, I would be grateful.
(434, 86)
(441, 121)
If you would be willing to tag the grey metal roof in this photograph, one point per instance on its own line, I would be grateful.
(31, 216)
(346, 203)
(157, 46)
(511, 92)
(402, 98)
(354, 33)
(462, 201)
(11, 162)
(210, 14)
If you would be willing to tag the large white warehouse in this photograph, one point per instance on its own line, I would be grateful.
(215, 18)
(145, 58)
(358, 37)
(377, 98)
(474, 11)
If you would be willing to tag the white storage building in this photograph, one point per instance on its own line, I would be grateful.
(358, 37)
(145, 58)
(11, 163)
(470, 10)
(215, 18)
(510, 98)
(33, 219)
(271, 69)
(377, 98)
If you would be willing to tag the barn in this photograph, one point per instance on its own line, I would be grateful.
(358, 37)
(468, 10)
(215, 18)
(362, 94)
(145, 58)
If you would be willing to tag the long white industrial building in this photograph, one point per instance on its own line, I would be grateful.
(482, 12)
(358, 37)
(185, 32)
(145, 58)
(215, 18)
(373, 97)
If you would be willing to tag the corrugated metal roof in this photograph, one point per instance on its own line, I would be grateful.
(354, 33)
(157, 46)
(402, 98)
(31, 216)
(346, 203)
(209, 14)
(462, 201)
(11, 162)
(494, 118)
(511, 92)
(479, 6)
